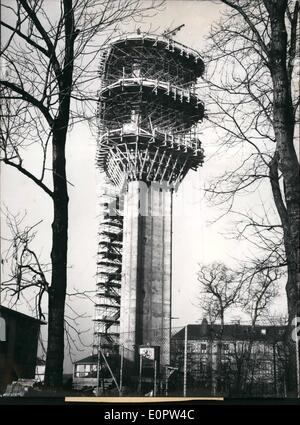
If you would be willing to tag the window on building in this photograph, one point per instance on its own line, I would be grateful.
(79, 371)
(226, 348)
(264, 368)
(268, 367)
(194, 348)
(202, 367)
(80, 368)
(84, 370)
(203, 348)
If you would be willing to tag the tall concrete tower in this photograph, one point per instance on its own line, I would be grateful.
(149, 114)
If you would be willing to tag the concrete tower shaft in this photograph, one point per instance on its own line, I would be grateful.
(147, 268)
(148, 119)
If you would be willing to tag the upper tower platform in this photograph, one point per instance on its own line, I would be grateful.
(149, 109)
(170, 61)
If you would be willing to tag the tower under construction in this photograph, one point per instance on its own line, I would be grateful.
(109, 263)
(149, 114)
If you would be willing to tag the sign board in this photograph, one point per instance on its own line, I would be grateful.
(147, 353)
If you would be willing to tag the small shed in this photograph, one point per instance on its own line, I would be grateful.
(85, 372)
(18, 346)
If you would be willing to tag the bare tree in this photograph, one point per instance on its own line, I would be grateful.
(50, 58)
(260, 290)
(251, 289)
(254, 103)
(28, 280)
(26, 270)
(220, 289)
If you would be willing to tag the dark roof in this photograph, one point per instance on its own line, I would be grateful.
(234, 331)
(93, 359)
(8, 312)
(88, 360)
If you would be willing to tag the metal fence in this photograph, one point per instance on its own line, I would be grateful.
(196, 366)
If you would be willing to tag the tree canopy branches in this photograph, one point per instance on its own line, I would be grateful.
(253, 101)
(49, 82)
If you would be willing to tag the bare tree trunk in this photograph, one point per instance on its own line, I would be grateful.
(287, 163)
(57, 291)
(287, 159)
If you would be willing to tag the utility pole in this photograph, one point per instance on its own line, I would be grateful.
(167, 381)
(121, 371)
(98, 365)
(297, 357)
(185, 361)
(155, 377)
(140, 374)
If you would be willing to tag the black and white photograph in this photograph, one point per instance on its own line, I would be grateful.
(150, 202)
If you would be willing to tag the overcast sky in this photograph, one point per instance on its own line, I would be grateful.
(194, 240)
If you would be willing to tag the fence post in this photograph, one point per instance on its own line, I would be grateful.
(155, 377)
(98, 365)
(110, 371)
(297, 358)
(167, 381)
(185, 361)
(121, 371)
(140, 374)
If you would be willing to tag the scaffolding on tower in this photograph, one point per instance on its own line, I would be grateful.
(148, 108)
(109, 262)
(149, 113)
